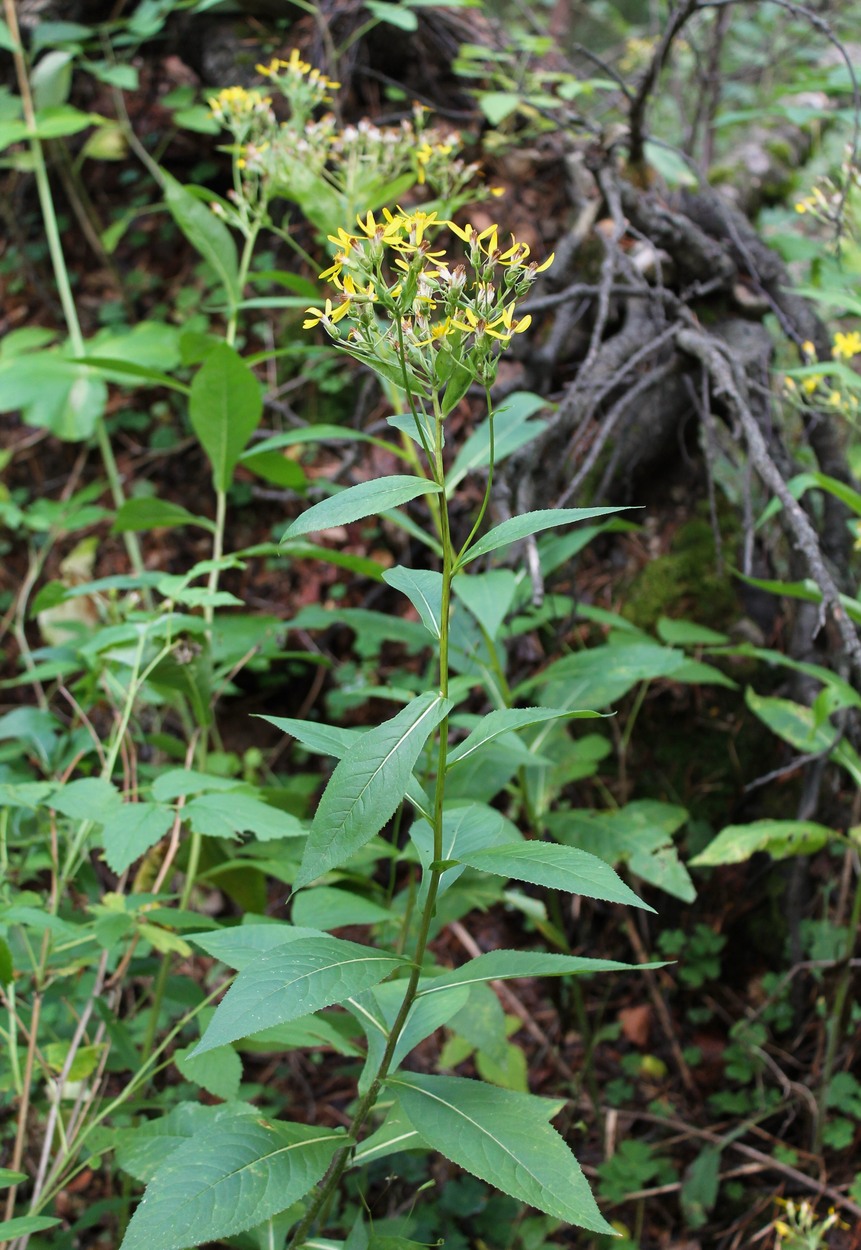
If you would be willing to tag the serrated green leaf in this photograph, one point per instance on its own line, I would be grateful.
(367, 785)
(240, 946)
(326, 739)
(505, 965)
(294, 980)
(225, 407)
(505, 720)
(130, 830)
(779, 838)
(423, 588)
(466, 826)
(150, 514)
(503, 1138)
(518, 527)
(219, 1071)
(512, 429)
(326, 908)
(218, 1184)
(207, 234)
(357, 502)
(228, 813)
(488, 596)
(556, 867)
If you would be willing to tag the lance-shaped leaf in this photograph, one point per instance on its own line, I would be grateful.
(218, 1184)
(423, 588)
(293, 980)
(488, 596)
(509, 965)
(506, 719)
(367, 785)
(224, 408)
(357, 502)
(557, 868)
(205, 232)
(518, 527)
(503, 1138)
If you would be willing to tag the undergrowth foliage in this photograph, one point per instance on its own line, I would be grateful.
(430, 329)
(133, 1019)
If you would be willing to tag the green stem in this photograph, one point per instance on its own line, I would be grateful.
(366, 1104)
(58, 262)
(486, 500)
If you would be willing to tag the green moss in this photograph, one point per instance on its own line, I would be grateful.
(683, 583)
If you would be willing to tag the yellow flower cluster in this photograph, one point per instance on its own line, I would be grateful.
(238, 109)
(298, 69)
(442, 319)
(847, 346)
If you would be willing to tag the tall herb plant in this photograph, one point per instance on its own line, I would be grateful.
(431, 328)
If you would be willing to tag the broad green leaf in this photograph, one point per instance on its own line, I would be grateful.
(130, 830)
(556, 867)
(799, 726)
(497, 105)
(357, 502)
(25, 1224)
(780, 838)
(240, 946)
(466, 826)
(275, 468)
(503, 721)
(324, 739)
(639, 835)
(512, 429)
(150, 514)
(225, 407)
(394, 14)
(53, 393)
(423, 588)
(7, 43)
(602, 675)
(9, 1177)
(87, 798)
(503, 1138)
(180, 782)
(215, 1185)
(505, 965)
(294, 980)
(488, 596)
(228, 813)
(219, 1071)
(394, 1134)
(518, 527)
(688, 634)
(327, 908)
(51, 80)
(367, 786)
(207, 234)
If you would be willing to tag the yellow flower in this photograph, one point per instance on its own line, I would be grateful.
(810, 384)
(326, 316)
(847, 345)
(474, 324)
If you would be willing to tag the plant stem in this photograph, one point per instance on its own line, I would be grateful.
(61, 272)
(366, 1105)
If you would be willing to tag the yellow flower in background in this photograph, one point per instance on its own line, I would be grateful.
(325, 316)
(846, 346)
